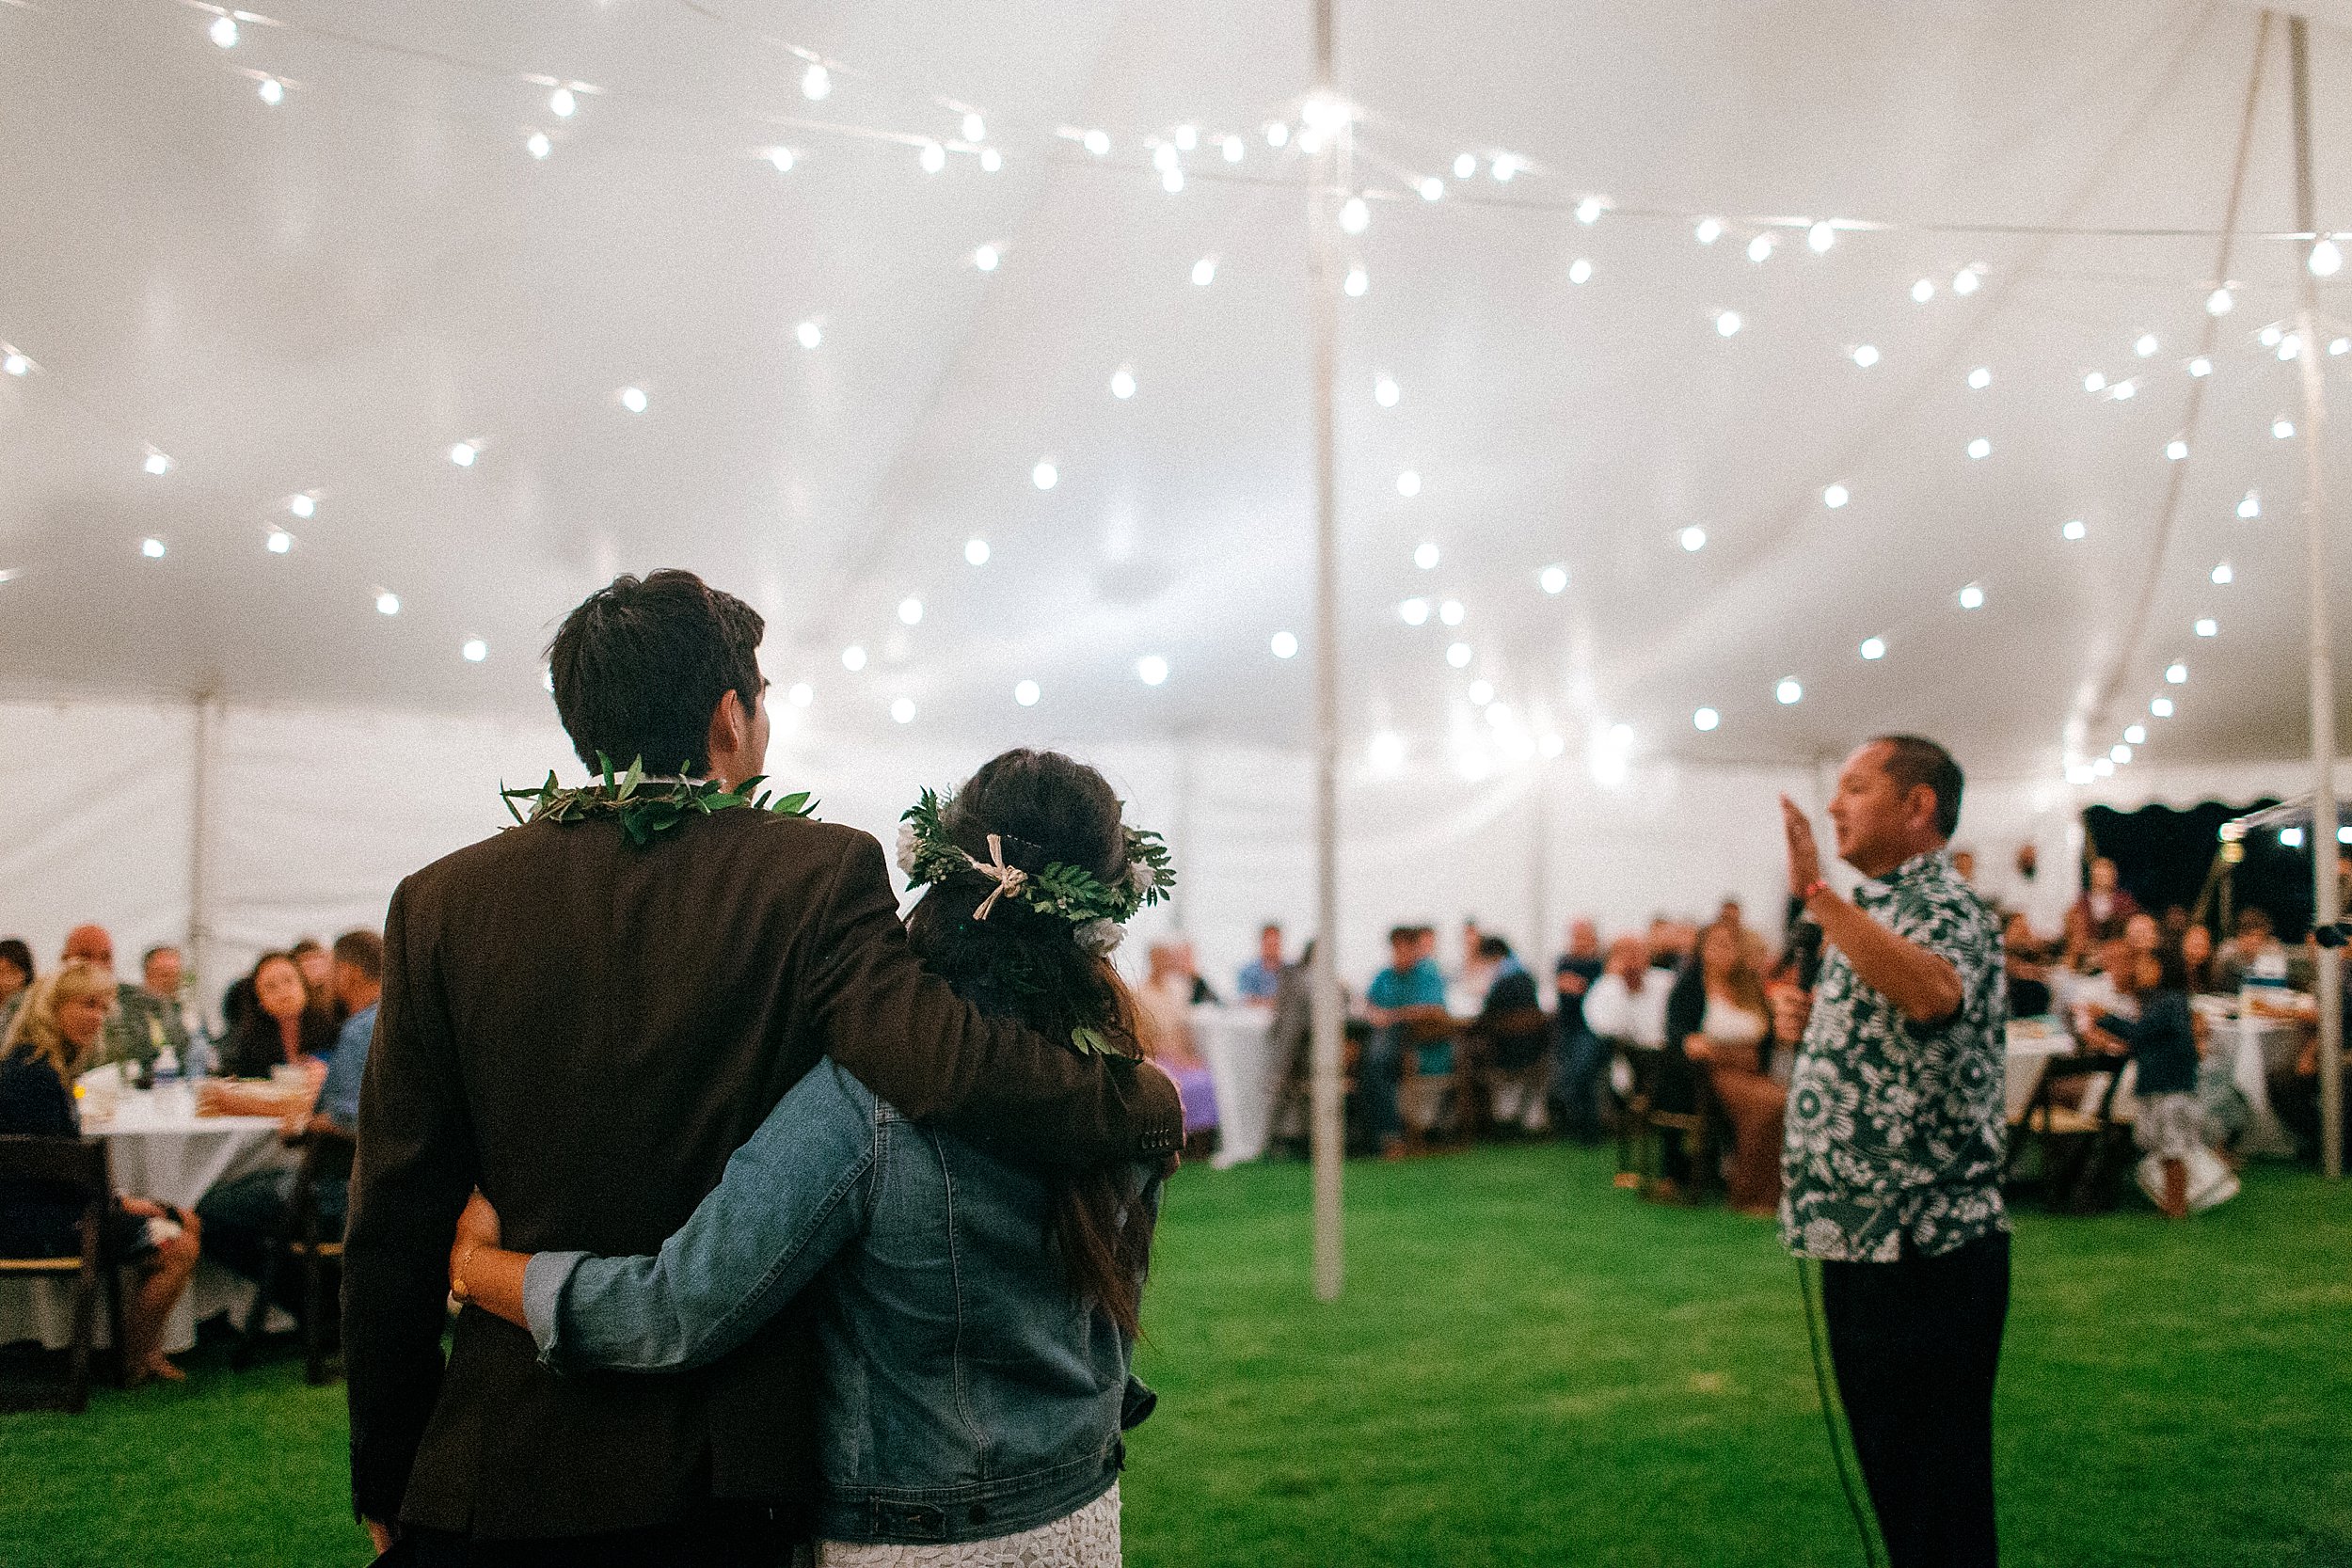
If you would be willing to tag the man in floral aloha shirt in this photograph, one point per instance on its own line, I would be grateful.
(1894, 1148)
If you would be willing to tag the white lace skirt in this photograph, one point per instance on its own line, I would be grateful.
(1087, 1538)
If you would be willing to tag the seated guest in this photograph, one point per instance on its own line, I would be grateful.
(2100, 913)
(2028, 977)
(2197, 958)
(1628, 1004)
(128, 1036)
(1408, 994)
(1512, 1030)
(1261, 978)
(1163, 1004)
(54, 1037)
(318, 971)
(1581, 1057)
(163, 991)
(1200, 992)
(1718, 1021)
(285, 1024)
(2163, 1042)
(2256, 953)
(16, 972)
(239, 1215)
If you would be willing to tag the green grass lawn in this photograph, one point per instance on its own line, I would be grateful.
(1529, 1367)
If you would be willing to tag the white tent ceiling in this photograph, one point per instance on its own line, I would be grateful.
(323, 296)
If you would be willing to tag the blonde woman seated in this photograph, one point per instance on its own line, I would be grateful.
(53, 1036)
(1729, 1045)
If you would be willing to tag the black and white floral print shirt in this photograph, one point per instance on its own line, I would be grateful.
(1897, 1128)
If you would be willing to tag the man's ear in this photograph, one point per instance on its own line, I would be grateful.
(730, 726)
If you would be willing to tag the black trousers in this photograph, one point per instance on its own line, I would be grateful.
(1916, 1344)
(716, 1535)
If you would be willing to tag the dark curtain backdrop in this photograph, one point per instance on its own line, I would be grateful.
(2162, 855)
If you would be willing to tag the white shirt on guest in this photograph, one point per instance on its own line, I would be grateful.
(1639, 1018)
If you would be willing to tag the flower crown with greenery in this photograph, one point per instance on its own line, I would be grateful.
(1096, 911)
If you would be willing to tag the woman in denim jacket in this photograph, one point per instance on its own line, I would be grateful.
(975, 1319)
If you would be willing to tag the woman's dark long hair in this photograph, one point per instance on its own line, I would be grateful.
(1019, 963)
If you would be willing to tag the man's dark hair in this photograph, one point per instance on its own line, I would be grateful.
(1493, 947)
(364, 951)
(2253, 918)
(305, 945)
(642, 663)
(1269, 925)
(1398, 934)
(149, 956)
(1914, 760)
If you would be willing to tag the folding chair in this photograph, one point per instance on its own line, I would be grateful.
(78, 1164)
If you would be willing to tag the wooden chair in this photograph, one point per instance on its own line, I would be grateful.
(2074, 1164)
(1695, 1131)
(1636, 1150)
(1514, 1051)
(305, 1244)
(1432, 1105)
(81, 1164)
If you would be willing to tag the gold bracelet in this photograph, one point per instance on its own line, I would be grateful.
(457, 1286)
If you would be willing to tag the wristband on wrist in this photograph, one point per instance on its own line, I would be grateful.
(1813, 889)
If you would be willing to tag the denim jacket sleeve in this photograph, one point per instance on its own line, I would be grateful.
(792, 1198)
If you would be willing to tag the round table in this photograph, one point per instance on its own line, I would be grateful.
(157, 1147)
(1247, 1072)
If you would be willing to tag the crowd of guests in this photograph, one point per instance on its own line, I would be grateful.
(291, 1043)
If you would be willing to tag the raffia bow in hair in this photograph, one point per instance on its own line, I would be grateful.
(1008, 878)
(1094, 909)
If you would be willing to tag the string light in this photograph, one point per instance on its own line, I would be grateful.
(1387, 752)
(562, 104)
(2160, 707)
(2251, 506)
(1277, 134)
(1466, 165)
(1706, 719)
(976, 552)
(1425, 555)
(223, 31)
(1432, 189)
(2136, 735)
(2207, 627)
(537, 144)
(1580, 271)
(1760, 249)
(1152, 668)
(2220, 302)
(2221, 575)
(1233, 149)
(387, 603)
(1865, 356)
(2103, 768)
(272, 91)
(1789, 692)
(853, 658)
(1408, 484)
(2282, 428)
(934, 157)
(157, 463)
(2125, 390)
(1354, 217)
(1979, 378)
(1385, 390)
(463, 453)
(2147, 345)
(1026, 693)
(1172, 181)
(1204, 272)
(1414, 611)
(1589, 210)
(2073, 530)
(1554, 579)
(801, 694)
(1504, 168)
(302, 506)
(2340, 345)
(1708, 230)
(2326, 260)
(1098, 143)
(1972, 597)
(2094, 382)
(1727, 322)
(902, 711)
(15, 364)
(2176, 450)
(474, 649)
(1045, 476)
(815, 83)
(2270, 336)
(1451, 612)
(987, 258)
(2176, 674)
(2290, 346)
(1693, 539)
(991, 160)
(1979, 448)
(2201, 366)
(1123, 383)
(1357, 282)
(975, 128)
(1458, 655)
(1834, 497)
(1922, 291)
(152, 548)
(2121, 753)
(1873, 648)
(1284, 645)
(633, 399)
(1964, 281)
(1480, 692)
(782, 158)
(279, 540)
(911, 612)
(1821, 237)
(809, 333)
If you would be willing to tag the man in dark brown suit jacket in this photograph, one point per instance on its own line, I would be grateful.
(586, 1028)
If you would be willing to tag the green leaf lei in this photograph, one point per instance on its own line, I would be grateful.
(647, 805)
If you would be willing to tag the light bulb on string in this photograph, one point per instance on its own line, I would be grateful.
(1385, 392)
(1979, 378)
(1922, 291)
(1152, 668)
(780, 158)
(2221, 575)
(1355, 216)
(809, 333)
(1466, 165)
(1432, 189)
(1552, 579)
(2206, 626)
(933, 158)
(157, 463)
(816, 82)
(562, 104)
(2073, 530)
(1233, 149)
(1045, 476)
(463, 453)
(537, 144)
(976, 552)
(1283, 644)
(1789, 691)
(2136, 735)
(1580, 271)
(1425, 555)
(1705, 718)
(2146, 346)
(2125, 391)
(1097, 142)
(801, 694)
(2176, 674)
(2220, 302)
(16, 364)
(1204, 272)
(987, 258)
(1358, 282)
(1693, 539)
(1504, 168)
(1964, 281)
(2161, 706)
(223, 31)
(633, 399)
(2176, 450)
(1123, 383)
(902, 710)
(1873, 648)
(2282, 428)
(302, 506)
(2252, 505)
(1451, 613)
(1164, 157)
(1865, 355)
(991, 160)
(1708, 230)
(1821, 237)
(387, 603)
(1727, 323)
(911, 612)
(2326, 258)
(152, 548)
(2268, 337)
(2201, 366)
(2095, 382)
(975, 128)
(853, 658)
(474, 649)
(1026, 693)
(1458, 655)
(1277, 134)
(1480, 692)
(1589, 210)
(1414, 613)
(1835, 496)
(1972, 597)
(1979, 448)
(1408, 484)
(272, 91)
(1760, 249)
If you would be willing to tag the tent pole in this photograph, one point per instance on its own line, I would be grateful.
(199, 830)
(1323, 286)
(2325, 903)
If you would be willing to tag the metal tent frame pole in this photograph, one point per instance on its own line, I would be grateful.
(1326, 1132)
(2326, 904)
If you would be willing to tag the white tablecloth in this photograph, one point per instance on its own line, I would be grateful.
(158, 1148)
(2030, 1047)
(1246, 1074)
(2257, 1046)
